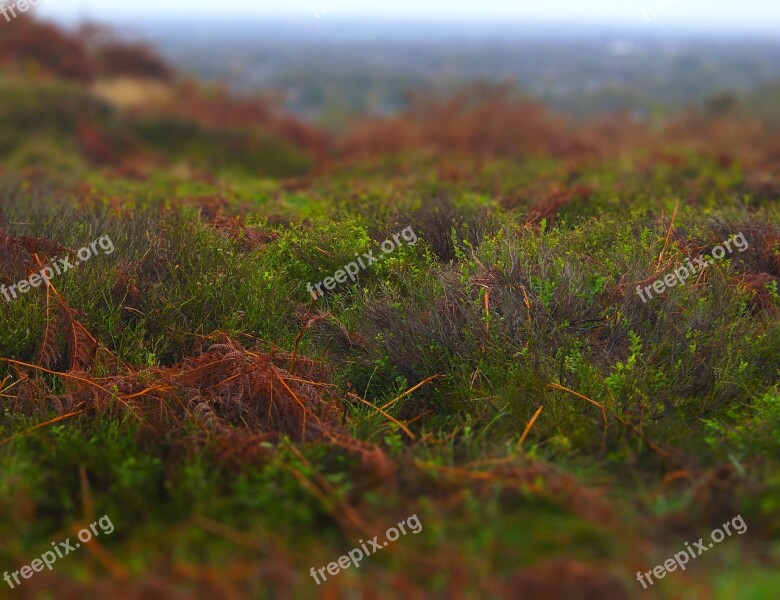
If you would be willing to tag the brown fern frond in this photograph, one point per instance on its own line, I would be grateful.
(83, 347)
(50, 351)
(84, 350)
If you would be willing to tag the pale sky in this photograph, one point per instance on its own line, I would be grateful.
(758, 15)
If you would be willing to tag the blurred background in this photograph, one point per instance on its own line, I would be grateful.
(328, 60)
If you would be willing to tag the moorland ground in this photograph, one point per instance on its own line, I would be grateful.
(500, 378)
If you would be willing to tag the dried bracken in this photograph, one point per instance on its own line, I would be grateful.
(17, 254)
(67, 344)
(237, 397)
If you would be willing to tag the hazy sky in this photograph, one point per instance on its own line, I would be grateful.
(759, 15)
